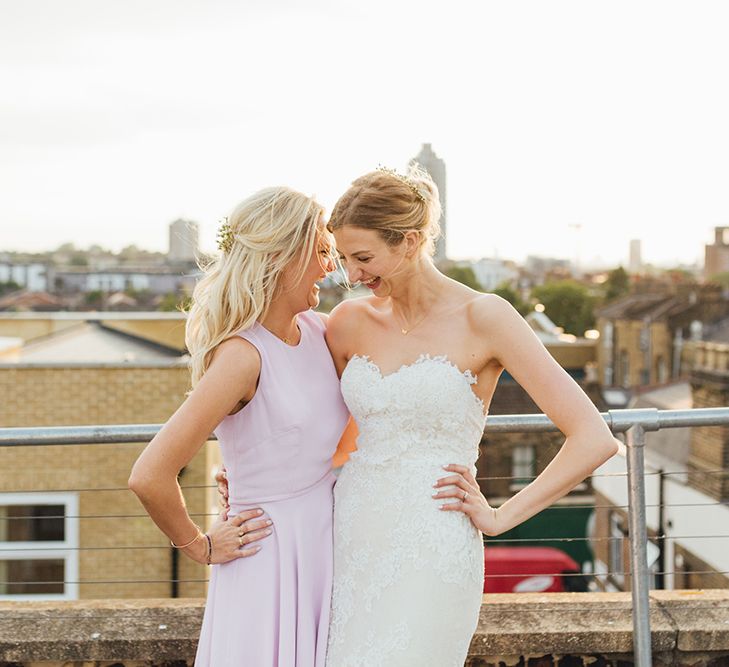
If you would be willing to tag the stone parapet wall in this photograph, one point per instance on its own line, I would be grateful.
(688, 628)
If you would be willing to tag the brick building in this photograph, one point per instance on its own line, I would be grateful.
(686, 487)
(642, 336)
(71, 371)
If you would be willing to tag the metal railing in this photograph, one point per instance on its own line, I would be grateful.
(633, 423)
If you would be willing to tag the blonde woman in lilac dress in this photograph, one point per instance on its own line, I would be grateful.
(264, 382)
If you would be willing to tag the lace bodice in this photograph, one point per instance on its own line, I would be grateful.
(423, 411)
(408, 577)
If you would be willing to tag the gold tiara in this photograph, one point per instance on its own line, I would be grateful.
(404, 179)
(225, 236)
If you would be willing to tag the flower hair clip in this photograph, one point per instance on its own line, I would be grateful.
(225, 236)
(404, 179)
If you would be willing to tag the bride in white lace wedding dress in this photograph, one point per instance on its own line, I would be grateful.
(419, 361)
(408, 577)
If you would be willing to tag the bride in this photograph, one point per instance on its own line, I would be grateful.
(419, 360)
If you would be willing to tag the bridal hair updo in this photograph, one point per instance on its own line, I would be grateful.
(392, 204)
(264, 234)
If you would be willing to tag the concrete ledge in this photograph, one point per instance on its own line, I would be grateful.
(701, 618)
(166, 630)
(564, 624)
(512, 629)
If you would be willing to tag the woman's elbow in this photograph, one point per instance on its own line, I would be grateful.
(139, 481)
(606, 448)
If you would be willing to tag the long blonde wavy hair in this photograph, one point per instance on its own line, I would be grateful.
(269, 231)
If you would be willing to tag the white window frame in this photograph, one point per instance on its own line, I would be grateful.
(67, 550)
(522, 455)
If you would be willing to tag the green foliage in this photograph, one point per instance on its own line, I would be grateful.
(465, 275)
(568, 304)
(506, 291)
(721, 278)
(617, 284)
(9, 286)
(94, 298)
(79, 259)
(172, 302)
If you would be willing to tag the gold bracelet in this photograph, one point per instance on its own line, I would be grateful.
(184, 546)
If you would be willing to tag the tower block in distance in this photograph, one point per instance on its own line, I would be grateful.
(437, 170)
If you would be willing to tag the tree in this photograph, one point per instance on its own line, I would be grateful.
(465, 275)
(94, 298)
(617, 283)
(506, 291)
(568, 304)
(175, 302)
(10, 286)
(721, 278)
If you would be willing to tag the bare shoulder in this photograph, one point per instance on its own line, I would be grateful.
(490, 312)
(344, 325)
(348, 314)
(235, 356)
(231, 377)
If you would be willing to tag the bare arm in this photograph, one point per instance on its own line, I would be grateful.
(588, 442)
(230, 379)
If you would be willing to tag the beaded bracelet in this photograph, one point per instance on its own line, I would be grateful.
(210, 549)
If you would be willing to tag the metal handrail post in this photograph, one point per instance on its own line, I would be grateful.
(635, 442)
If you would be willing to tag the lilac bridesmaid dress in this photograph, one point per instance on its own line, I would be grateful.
(272, 609)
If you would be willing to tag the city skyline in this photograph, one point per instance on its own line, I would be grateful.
(567, 129)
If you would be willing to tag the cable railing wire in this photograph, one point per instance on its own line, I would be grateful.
(490, 540)
(214, 514)
(520, 478)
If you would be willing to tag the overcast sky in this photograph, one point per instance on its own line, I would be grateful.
(119, 116)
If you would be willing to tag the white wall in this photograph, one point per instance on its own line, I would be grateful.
(688, 522)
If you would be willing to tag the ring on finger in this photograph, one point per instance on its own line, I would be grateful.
(240, 540)
(465, 496)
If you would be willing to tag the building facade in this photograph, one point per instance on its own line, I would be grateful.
(716, 254)
(686, 489)
(32, 276)
(642, 336)
(184, 241)
(67, 517)
(635, 260)
(435, 166)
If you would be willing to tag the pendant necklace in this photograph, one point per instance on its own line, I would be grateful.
(406, 330)
(286, 339)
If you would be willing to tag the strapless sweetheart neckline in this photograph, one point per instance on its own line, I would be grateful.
(467, 375)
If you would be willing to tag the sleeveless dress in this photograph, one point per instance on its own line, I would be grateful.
(272, 609)
(408, 577)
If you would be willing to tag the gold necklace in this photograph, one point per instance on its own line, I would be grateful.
(405, 331)
(285, 339)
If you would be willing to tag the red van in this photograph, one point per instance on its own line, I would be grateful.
(531, 570)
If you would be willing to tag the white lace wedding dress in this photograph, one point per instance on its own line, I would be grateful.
(408, 577)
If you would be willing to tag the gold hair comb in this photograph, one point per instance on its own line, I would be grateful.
(225, 236)
(404, 179)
